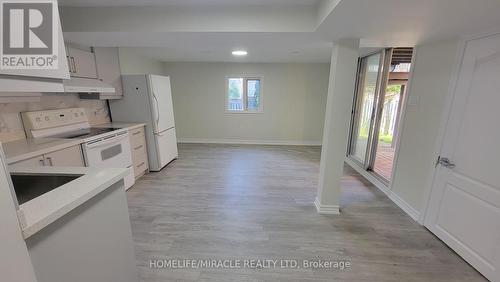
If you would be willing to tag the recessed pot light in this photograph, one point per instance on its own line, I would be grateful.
(239, 53)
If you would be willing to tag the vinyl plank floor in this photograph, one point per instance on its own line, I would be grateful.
(240, 202)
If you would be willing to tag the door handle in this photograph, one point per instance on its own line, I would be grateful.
(106, 142)
(157, 109)
(445, 162)
(50, 161)
(74, 64)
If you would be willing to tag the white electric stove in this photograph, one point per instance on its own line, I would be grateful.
(102, 147)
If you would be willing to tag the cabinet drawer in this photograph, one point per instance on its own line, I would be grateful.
(138, 152)
(140, 165)
(33, 162)
(140, 169)
(69, 157)
(137, 137)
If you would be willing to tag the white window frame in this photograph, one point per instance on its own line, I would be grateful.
(245, 94)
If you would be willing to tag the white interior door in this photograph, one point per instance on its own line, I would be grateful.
(464, 207)
(163, 110)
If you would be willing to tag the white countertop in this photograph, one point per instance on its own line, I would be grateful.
(36, 214)
(23, 149)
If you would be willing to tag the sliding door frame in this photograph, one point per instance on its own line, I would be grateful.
(350, 145)
(355, 105)
(382, 78)
(379, 108)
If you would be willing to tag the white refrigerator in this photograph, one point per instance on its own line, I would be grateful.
(148, 99)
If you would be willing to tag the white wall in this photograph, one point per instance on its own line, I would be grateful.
(434, 65)
(133, 63)
(341, 87)
(294, 99)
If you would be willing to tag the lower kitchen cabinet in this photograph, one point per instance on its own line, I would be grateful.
(71, 157)
(91, 243)
(139, 152)
(36, 161)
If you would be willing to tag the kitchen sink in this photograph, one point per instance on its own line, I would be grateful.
(28, 187)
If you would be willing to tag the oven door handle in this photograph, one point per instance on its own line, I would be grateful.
(105, 142)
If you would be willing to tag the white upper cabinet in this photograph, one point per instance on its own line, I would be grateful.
(108, 69)
(81, 61)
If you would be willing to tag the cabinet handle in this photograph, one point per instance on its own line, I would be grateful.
(74, 64)
(138, 147)
(141, 164)
(50, 161)
(42, 163)
(137, 132)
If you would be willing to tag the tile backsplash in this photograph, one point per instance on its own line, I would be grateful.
(11, 125)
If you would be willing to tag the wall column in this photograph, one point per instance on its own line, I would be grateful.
(341, 87)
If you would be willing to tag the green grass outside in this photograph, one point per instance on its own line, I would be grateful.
(385, 139)
(363, 135)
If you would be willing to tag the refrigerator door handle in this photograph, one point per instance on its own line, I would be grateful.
(157, 110)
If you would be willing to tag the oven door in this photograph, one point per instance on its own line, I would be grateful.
(109, 152)
(112, 151)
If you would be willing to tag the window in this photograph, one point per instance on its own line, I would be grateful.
(243, 94)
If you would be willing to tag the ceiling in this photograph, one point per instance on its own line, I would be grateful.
(270, 30)
(112, 3)
(217, 47)
(405, 23)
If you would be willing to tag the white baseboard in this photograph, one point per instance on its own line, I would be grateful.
(326, 209)
(413, 213)
(249, 142)
(368, 176)
(402, 204)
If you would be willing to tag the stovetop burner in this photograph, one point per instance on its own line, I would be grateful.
(84, 133)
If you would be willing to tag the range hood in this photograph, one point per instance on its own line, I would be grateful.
(87, 86)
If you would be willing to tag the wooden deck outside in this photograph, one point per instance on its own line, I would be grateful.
(383, 161)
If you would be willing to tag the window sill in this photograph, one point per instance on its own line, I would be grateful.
(243, 112)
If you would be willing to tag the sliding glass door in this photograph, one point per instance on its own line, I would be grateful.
(387, 133)
(368, 84)
(380, 88)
